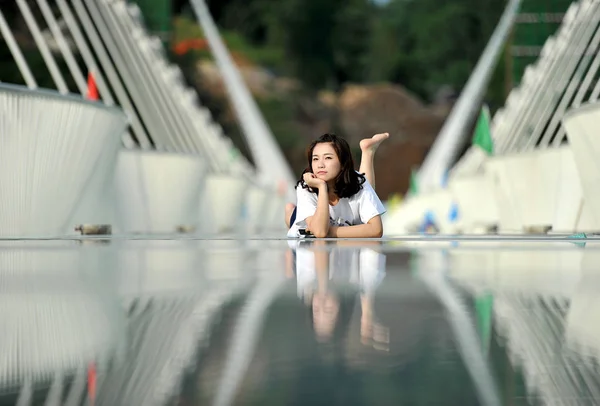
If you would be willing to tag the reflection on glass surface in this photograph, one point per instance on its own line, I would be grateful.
(329, 279)
(242, 322)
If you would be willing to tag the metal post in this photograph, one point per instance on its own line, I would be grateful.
(272, 165)
(449, 141)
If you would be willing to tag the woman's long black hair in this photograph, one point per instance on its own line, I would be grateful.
(348, 182)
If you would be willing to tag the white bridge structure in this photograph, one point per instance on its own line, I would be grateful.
(543, 175)
(544, 310)
(146, 157)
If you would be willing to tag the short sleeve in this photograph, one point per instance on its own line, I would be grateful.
(369, 204)
(306, 206)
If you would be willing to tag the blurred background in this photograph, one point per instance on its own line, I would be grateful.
(355, 67)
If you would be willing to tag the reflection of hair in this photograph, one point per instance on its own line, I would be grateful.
(348, 182)
(346, 297)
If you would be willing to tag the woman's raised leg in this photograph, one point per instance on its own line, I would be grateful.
(368, 146)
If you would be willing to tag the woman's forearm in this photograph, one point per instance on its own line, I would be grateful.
(358, 231)
(319, 224)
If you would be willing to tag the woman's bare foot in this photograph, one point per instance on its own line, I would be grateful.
(371, 144)
(289, 209)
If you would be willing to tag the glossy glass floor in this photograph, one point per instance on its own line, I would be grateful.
(277, 322)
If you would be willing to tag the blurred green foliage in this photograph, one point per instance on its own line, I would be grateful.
(422, 44)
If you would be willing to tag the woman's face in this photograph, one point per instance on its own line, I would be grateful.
(325, 162)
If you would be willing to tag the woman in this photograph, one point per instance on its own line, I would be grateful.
(333, 200)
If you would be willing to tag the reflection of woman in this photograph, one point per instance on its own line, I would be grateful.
(327, 281)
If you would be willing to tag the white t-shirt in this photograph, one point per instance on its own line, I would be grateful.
(349, 211)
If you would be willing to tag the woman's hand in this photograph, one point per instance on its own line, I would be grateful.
(312, 181)
(318, 223)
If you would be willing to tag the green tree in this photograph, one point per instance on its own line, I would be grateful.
(427, 43)
(351, 40)
(309, 45)
(325, 41)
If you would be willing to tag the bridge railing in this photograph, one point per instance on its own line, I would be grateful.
(532, 180)
(169, 128)
(52, 146)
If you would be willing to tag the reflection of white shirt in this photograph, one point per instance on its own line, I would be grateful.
(349, 211)
(363, 267)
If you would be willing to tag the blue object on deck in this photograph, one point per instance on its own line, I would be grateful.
(428, 221)
(453, 214)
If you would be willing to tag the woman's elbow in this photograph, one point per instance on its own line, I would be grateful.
(377, 231)
(320, 233)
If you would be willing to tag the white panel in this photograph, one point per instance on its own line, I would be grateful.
(51, 146)
(256, 209)
(516, 192)
(222, 203)
(569, 194)
(157, 191)
(527, 187)
(581, 125)
(477, 204)
(405, 218)
(274, 219)
(98, 203)
(410, 215)
(509, 219)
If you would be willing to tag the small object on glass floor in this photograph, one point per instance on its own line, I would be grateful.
(94, 229)
(185, 229)
(545, 229)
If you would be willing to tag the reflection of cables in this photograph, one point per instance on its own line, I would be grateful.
(186, 342)
(165, 338)
(245, 336)
(57, 316)
(534, 331)
(464, 331)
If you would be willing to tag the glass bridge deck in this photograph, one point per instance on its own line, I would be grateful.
(413, 321)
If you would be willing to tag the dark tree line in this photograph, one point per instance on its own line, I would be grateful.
(422, 44)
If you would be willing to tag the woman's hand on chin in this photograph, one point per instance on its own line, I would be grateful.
(312, 181)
